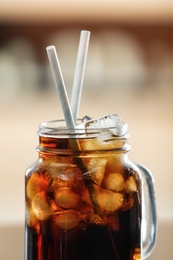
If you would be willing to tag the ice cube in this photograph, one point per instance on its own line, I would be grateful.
(86, 118)
(64, 177)
(114, 164)
(31, 218)
(66, 198)
(112, 121)
(70, 177)
(131, 185)
(41, 207)
(114, 181)
(36, 183)
(103, 131)
(92, 144)
(87, 214)
(54, 207)
(108, 200)
(67, 219)
(96, 169)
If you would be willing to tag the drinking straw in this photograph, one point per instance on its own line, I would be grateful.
(61, 89)
(79, 72)
(60, 86)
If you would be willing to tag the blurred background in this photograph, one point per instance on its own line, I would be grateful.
(129, 71)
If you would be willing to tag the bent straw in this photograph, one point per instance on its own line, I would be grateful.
(79, 72)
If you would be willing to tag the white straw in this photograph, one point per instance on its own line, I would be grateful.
(79, 72)
(60, 85)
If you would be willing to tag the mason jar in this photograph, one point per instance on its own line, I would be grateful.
(85, 198)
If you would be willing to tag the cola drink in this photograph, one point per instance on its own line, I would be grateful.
(82, 204)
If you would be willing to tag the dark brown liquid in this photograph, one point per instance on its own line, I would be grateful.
(73, 216)
(87, 242)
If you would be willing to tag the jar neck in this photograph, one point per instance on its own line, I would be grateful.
(55, 139)
(56, 147)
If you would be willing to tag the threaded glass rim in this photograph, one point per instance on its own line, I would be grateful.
(58, 129)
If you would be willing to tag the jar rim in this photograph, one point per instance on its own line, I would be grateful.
(58, 129)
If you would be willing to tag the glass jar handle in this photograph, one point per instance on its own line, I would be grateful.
(149, 213)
